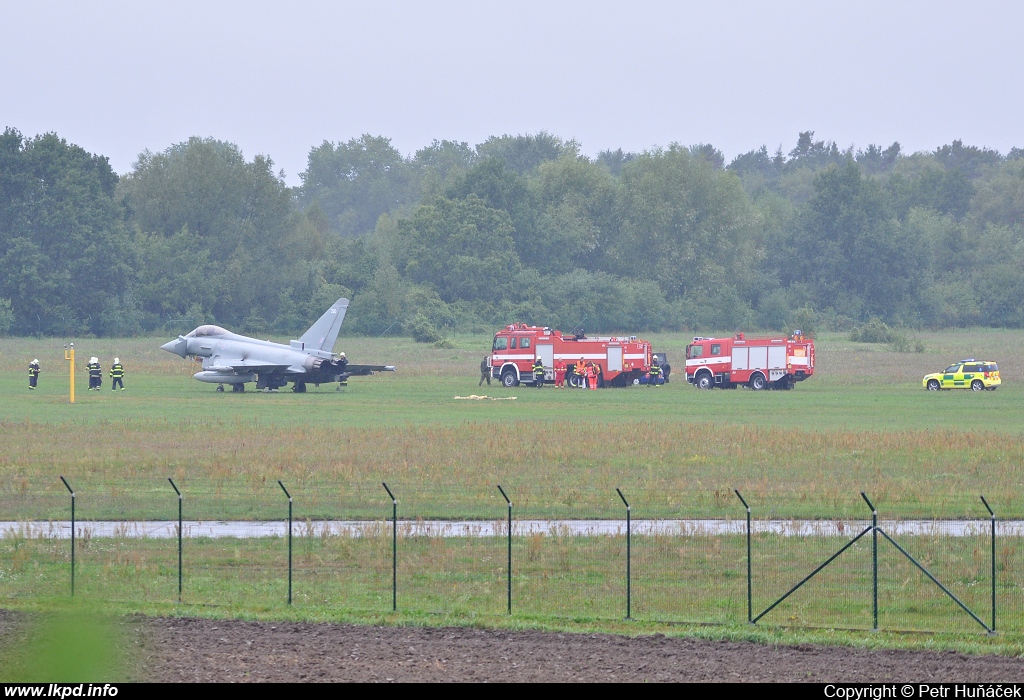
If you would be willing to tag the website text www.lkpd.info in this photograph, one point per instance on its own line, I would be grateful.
(60, 690)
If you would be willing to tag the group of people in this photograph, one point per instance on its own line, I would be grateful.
(586, 373)
(95, 374)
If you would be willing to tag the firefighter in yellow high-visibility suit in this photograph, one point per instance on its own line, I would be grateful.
(117, 375)
(33, 374)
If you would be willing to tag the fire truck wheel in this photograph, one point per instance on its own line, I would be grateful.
(509, 380)
(636, 381)
(757, 382)
(705, 381)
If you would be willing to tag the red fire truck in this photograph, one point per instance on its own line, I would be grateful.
(623, 360)
(760, 363)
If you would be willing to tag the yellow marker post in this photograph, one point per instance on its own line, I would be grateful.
(69, 355)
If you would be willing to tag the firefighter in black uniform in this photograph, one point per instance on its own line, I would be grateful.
(538, 373)
(654, 376)
(342, 364)
(95, 373)
(33, 374)
(117, 375)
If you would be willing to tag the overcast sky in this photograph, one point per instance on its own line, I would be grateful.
(280, 77)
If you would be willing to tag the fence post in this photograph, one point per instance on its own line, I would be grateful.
(179, 535)
(750, 601)
(394, 548)
(629, 592)
(289, 540)
(72, 492)
(993, 515)
(509, 502)
(874, 561)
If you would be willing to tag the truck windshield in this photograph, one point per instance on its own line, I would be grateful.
(501, 343)
(694, 351)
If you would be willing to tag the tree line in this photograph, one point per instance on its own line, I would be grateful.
(517, 228)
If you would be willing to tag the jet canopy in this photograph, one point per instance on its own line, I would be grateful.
(207, 331)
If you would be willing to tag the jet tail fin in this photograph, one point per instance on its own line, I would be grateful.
(322, 334)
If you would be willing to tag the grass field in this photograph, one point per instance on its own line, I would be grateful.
(862, 423)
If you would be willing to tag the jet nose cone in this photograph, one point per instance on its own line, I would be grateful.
(176, 346)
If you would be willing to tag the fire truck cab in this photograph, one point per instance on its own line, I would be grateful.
(623, 360)
(759, 363)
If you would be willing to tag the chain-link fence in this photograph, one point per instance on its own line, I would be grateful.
(371, 547)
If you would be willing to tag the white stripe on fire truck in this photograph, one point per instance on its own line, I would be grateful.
(708, 361)
(570, 356)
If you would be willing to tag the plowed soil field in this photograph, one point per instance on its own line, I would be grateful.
(177, 650)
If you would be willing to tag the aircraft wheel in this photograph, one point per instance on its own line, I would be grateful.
(237, 388)
(220, 388)
(299, 388)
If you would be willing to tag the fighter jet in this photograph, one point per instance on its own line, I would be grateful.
(236, 359)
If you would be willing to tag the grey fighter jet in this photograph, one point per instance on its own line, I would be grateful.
(236, 359)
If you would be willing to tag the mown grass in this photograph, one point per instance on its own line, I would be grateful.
(559, 469)
(862, 423)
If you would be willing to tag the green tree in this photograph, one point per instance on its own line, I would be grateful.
(524, 153)
(686, 224)
(855, 255)
(226, 231)
(575, 201)
(356, 181)
(64, 249)
(461, 248)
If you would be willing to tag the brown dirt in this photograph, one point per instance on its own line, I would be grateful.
(176, 650)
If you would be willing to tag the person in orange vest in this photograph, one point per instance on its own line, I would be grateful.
(560, 374)
(591, 376)
(581, 373)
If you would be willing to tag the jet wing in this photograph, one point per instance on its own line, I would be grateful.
(364, 370)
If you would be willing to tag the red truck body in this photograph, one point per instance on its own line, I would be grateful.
(760, 363)
(623, 360)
